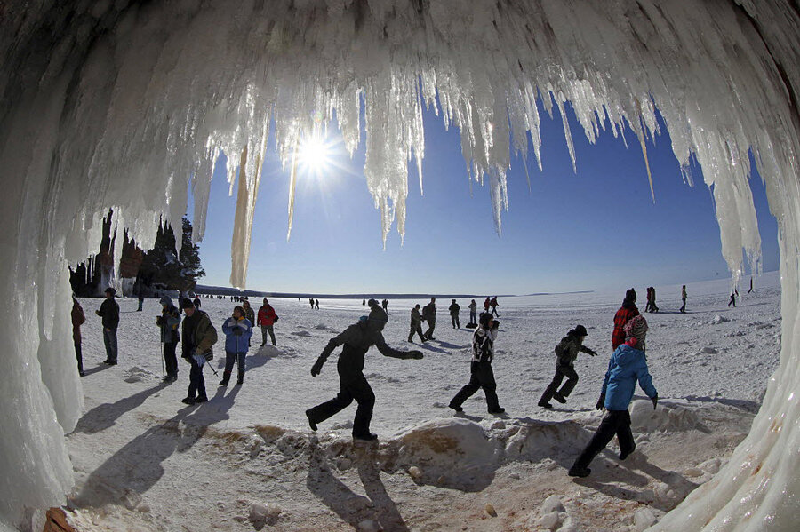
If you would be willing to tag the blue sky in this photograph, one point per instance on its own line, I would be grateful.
(595, 229)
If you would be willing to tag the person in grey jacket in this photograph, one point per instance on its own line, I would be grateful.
(109, 312)
(416, 324)
(473, 316)
(169, 323)
(356, 339)
(566, 353)
(429, 315)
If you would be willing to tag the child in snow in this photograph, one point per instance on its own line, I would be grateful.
(481, 374)
(238, 331)
(566, 353)
(627, 366)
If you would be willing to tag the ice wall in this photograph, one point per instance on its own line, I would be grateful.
(124, 104)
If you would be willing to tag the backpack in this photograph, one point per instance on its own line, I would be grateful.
(561, 350)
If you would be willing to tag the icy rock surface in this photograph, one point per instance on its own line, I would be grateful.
(128, 104)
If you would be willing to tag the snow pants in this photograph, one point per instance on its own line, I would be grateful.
(230, 359)
(110, 340)
(431, 327)
(197, 384)
(562, 370)
(456, 321)
(351, 387)
(79, 355)
(170, 359)
(416, 328)
(615, 422)
(267, 330)
(481, 376)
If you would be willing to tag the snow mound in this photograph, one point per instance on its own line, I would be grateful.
(302, 333)
(321, 327)
(672, 418)
(450, 452)
(719, 319)
(137, 374)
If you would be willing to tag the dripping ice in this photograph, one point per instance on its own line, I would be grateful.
(125, 106)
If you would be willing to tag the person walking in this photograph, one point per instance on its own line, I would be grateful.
(109, 314)
(732, 302)
(627, 311)
(481, 374)
(238, 331)
(169, 323)
(197, 337)
(683, 297)
(455, 309)
(78, 317)
(416, 325)
(356, 339)
(627, 366)
(316, 304)
(494, 304)
(653, 306)
(566, 353)
(473, 316)
(385, 305)
(266, 320)
(486, 304)
(429, 315)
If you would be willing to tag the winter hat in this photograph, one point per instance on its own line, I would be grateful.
(580, 330)
(378, 315)
(166, 301)
(111, 291)
(484, 319)
(630, 295)
(373, 302)
(635, 332)
(187, 303)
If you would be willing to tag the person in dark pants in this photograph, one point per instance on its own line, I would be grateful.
(473, 316)
(169, 323)
(429, 315)
(266, 320)
(481, 374)
(249, 314)
(109, 312)
(356, 339)
(494, 304)
(416, 324)
(627, 366)
(683, 297)
(732, 302)
(197, 337)
(141, 302)
(566, 352)
(455, 309)
(385, 306)
(238, 331)
(78, 318)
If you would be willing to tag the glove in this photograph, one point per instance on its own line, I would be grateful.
(238, 331)
(601, 402)
(209, 356)
(276, 318)
(316, 369)
(593, 353)
(159, 320)
(655, 401)
(414, 355)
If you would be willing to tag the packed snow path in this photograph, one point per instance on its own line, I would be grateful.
(127, 104)
(145, 460)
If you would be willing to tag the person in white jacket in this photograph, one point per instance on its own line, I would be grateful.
(481, 374)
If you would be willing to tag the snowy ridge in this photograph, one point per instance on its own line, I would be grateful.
(125, 104)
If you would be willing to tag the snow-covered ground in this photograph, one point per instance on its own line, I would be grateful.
(247, 460)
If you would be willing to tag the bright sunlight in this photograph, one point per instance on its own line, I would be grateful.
(314, 155)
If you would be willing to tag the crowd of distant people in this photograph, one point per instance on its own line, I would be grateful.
(196, 335)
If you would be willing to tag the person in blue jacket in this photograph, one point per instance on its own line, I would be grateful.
(238, 331)
(628, 365)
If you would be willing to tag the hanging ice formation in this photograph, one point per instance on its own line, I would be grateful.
(121, 104)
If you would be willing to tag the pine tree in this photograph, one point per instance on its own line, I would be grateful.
(164, 265)
(189, 257)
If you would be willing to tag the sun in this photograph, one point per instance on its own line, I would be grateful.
(314, 155)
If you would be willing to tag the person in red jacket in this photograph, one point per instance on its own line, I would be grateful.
(627, 311)
(266, 319)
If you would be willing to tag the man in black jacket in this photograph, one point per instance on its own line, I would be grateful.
(429, 315)
(357, 339)
(109, 312)
(566, 353)
(455, 309)
(197, 337)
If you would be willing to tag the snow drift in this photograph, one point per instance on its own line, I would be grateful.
(126, 104)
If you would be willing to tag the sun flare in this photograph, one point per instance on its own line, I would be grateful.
(314, 155)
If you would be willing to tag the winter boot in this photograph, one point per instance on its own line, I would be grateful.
(545, 404)
(370, 436)
(560, 398)
(576, 471)
(240, 378)
(226, 375)
(311, 422)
